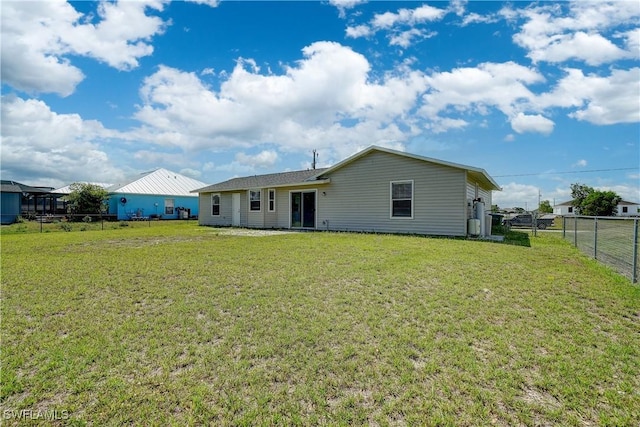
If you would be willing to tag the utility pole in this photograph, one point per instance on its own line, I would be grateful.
(539, 197)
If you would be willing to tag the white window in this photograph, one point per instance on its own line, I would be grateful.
(168, 206)
(254, 200)
(272, 200)
(402, 199)
(215, 204)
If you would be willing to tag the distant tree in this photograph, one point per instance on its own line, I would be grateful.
(519, 210)
(495, 208)
(601, 203)
(545, 207)
(87, 198)
(579, 193)
(589, 201)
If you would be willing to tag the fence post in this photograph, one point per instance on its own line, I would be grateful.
(634, 271)
(595, 238)
(575, 231)
(564, 227)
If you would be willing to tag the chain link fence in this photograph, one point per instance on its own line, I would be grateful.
(611, 240)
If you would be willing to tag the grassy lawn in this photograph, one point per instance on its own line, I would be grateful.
(175, 324)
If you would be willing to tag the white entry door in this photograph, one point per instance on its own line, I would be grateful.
(235, 209)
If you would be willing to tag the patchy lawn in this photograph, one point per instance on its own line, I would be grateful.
(176, 324)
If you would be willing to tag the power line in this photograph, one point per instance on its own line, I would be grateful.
(567, 172)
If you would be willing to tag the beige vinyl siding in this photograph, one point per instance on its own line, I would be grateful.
(270, 218)
(283, 208)
(225, 217)
(204, 215)
(358, 197)
(254, 219)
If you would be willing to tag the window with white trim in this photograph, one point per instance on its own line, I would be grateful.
(215, 204)
(168, 206)
(272, 200)
(402, 199)
(254, 200)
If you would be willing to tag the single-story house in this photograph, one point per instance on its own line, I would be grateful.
(159, 193)
(375, 190)
(564, 208)
(17, 199)
(625, 208)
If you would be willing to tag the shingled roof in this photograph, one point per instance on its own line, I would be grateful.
(7, 186)
(262, 181)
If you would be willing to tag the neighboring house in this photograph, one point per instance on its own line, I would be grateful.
(624, 209)
(628, 208)
(565, 208)
(159, 193)
(16, 198)
(375, 190)
(10, 201)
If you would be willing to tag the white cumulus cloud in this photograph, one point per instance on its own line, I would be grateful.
(325, 100)
(359, 31)
(597, 99)
(38, 142)
(264, 159)
(553, 34)
(344, 5)
(40, 38)
(516, 195)
(402, 26)
(496, 85)
(522, 123)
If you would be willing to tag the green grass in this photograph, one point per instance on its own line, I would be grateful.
(176, 324)
(26, 227)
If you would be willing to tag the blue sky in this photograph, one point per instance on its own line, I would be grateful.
(539, 94)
